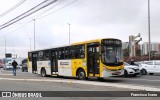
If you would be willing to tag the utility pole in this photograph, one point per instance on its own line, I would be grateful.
(69, 31)
(149, 40)
(34, 35)
(5, 49)
(13, 55)
(30, 43)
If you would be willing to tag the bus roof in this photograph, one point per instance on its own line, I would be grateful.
(77, 43)
(89, 41)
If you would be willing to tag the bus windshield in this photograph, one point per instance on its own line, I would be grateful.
(112, 55)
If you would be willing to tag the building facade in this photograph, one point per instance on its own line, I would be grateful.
(155, 47)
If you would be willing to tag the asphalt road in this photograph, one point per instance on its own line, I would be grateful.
(7, 85)
(144, 80)
(32, 82)
(148, 80)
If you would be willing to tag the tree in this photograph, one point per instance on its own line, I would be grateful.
(138, 52)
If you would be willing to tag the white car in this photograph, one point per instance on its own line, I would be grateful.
(7, 66)
(131, 70)
(150, 67)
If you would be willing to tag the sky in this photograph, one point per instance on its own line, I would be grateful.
(88, 19)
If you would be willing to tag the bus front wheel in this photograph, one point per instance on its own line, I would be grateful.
(81, 74)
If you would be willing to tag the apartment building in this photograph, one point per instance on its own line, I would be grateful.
(155, 47)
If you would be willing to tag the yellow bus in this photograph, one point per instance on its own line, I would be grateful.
(99, 58)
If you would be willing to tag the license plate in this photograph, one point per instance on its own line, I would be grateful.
(116, 73)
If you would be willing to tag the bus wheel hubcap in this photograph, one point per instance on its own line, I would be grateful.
(81, 74)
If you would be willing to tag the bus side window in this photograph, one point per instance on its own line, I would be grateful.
(71, 52)
(82, 52)
(79, 51)
(67, 49)
(46, 55)
(96, 53)
(61, 53)
(40, 55)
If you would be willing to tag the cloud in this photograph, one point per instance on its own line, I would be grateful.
(89, 19)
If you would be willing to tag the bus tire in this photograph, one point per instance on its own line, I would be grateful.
(43, 72)
(81, 74)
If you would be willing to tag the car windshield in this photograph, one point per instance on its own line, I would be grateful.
(126, 64)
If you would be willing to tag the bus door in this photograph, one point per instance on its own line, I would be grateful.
(54, 61)
(34, 62)
(93, 58)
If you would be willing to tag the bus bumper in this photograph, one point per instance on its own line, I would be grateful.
(109, 73)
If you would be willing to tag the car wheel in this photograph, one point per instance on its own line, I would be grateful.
(150, 73)
(81, 74)
(125, 73)
(143, 72)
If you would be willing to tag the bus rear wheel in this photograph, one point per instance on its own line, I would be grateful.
(81, 74)
(43, 72)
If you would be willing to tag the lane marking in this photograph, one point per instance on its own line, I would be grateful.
(118, 85)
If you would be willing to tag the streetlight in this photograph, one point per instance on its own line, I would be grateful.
(13, 52)
(149, 40)
(69, 31)
(34, 35)
(30, 43)
(5, 50)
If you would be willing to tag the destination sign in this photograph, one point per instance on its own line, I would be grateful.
(111, 42)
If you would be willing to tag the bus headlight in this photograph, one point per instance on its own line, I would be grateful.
(104, 68)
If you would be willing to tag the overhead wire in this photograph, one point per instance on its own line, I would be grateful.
(57, 10)
(27, 13)
(13, 8)
(34, 17)
(40, 17)
(54, 12)
(24, 23)
(31, 19)
(14, 30)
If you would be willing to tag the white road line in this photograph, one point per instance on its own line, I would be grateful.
(118, 85)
